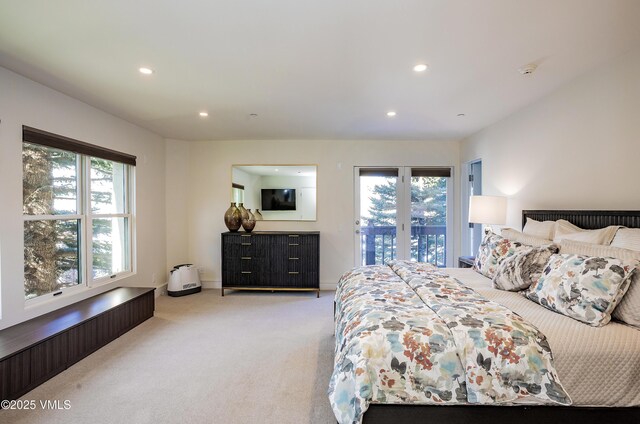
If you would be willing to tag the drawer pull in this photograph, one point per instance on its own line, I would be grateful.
(245, 235)
(293, 273)
(245, 272)
(294, 235)
(246, 244)
(246, 258)
(293, 259)
(294, 244)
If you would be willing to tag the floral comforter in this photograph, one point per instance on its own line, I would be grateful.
(408, 333)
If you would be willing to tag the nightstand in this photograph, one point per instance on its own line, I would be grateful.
(466, 261)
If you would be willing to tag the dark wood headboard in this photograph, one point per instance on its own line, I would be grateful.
(586, 219)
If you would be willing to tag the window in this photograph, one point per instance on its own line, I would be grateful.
(77, 210)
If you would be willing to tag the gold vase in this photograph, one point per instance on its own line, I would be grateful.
(233, 218)
(249, 223)
(243, 211)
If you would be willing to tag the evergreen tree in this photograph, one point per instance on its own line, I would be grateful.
(51, 247)
(428, 208)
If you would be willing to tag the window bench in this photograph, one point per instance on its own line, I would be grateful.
(36, 350)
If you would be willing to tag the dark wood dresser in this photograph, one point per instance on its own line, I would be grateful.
(271, 260)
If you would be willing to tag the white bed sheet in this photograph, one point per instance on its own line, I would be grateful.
(598, 366)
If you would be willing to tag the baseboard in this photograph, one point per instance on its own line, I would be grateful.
(209, 284)
(328, 286)
(161, 290)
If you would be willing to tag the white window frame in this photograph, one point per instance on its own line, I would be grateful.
(403, 212)
(86, 217)
(88, 225)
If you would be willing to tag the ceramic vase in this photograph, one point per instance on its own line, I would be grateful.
(233, 218)
(249, 223)
(243, 211)
(258, 215)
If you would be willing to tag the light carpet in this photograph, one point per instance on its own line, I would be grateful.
(246, 357)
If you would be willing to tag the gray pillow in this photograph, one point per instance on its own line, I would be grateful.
(524, 268)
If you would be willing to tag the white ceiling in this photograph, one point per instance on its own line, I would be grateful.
(311, 69)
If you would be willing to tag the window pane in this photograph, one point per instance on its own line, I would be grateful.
(110, 246)
(429, 219)
(49, 184)
(107, 186)
(51, 256)
(378, 214)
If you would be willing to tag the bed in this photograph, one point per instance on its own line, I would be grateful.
(599, 367)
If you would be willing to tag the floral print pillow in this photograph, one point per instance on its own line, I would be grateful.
(582, 287)
(519, 271)
(493, 250)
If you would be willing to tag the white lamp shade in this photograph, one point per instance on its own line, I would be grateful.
(488, 210)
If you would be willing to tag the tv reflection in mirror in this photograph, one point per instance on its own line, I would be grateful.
(278, 199)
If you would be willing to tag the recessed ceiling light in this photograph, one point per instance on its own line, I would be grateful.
(391, 114)
(146, 71)
(420, 67)
(204, 114)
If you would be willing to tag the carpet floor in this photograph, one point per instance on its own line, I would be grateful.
(244, 358)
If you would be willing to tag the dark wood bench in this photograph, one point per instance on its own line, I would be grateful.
(34, 351)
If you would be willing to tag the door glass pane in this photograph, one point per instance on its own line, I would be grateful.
(429, 219)
(107, 186)
(51, 256)
(49, 183)
(378, 217)
(475, 189)
(110, 241)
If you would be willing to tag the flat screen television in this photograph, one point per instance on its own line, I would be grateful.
(278, 199)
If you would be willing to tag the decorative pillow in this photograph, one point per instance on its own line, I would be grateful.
(519, 271)
(539, 229)
(493, 249)
(582, 287)
(628, 310)
(527, 239)
(567, 231)
(627, 238)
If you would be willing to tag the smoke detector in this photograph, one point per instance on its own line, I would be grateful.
(528, 69)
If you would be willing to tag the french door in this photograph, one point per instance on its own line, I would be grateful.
(403, 213)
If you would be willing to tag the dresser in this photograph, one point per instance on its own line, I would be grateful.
(271, 260)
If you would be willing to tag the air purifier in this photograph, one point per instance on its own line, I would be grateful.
(184, 280)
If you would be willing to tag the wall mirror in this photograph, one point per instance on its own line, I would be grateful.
(280, 192)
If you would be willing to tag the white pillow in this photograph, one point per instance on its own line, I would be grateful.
(543, 230)
(529, 240)
(628, 310)
(567, 231)
(627, 238)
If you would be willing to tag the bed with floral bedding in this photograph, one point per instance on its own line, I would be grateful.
(409, 333)
(415, 343)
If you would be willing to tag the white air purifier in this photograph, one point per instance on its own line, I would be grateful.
(184, 280)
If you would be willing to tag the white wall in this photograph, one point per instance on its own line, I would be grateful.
(209, 171)
(176, 202)
(578, 148)
(24, 102)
